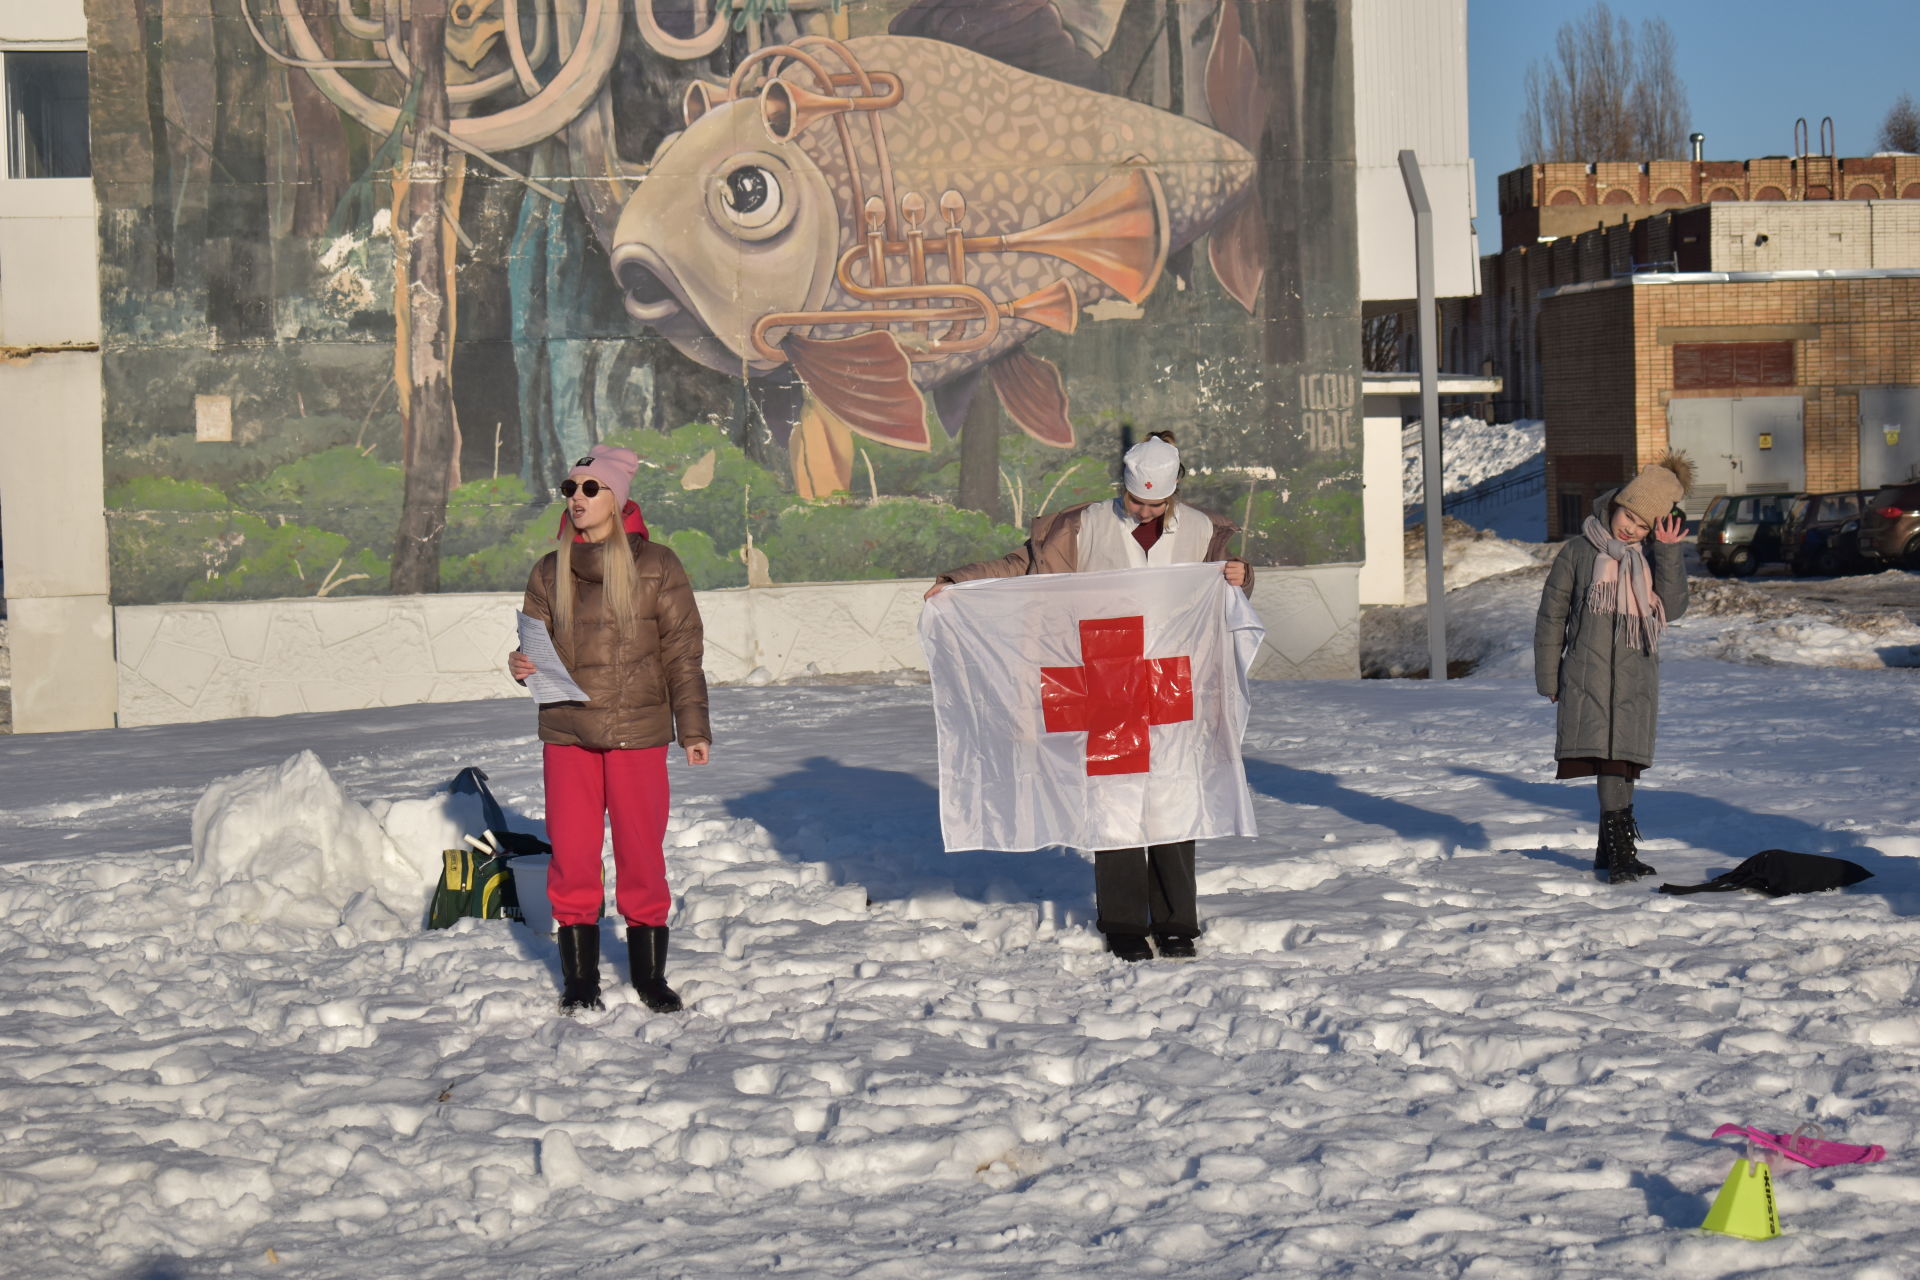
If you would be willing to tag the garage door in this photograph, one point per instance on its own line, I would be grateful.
(1748, 444)
(1889, 434)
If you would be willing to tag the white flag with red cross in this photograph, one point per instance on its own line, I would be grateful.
(1093, 710)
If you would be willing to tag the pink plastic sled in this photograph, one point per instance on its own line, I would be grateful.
(1806, 1146)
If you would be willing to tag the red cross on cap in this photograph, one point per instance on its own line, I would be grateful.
(1149, 484)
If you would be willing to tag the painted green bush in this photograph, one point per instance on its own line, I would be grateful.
(341, 490)
(892, 538)
(271, 561)
(505, 564)
(676, 492)
(483, 514)
(706, 567)
(165, 535)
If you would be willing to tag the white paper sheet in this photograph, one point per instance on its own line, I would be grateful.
(550, 681)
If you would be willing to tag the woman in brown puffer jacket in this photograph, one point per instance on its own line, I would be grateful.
(623, 618)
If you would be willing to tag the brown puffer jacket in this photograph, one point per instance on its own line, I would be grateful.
(641, 685)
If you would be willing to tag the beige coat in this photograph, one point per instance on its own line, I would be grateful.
(1053, 546)
(640, 685)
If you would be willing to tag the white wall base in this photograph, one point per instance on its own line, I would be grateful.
(1383, 578)
(61, 649)
(181, 662)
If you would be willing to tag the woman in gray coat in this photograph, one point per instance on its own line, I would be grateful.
(1596, 646)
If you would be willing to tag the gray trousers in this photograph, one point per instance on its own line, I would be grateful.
(1151, 890)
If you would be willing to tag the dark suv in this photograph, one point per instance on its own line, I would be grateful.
(1741, 531)
(1890, 527)
(1822, 532)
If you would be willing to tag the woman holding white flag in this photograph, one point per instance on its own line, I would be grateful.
(1146, 892)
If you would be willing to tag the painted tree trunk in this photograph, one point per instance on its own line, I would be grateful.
(430, 443)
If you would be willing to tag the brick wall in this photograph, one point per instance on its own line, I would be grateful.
(1546, 200)
(1587, 372)
(1846, 334)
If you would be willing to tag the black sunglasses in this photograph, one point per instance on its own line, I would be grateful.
(591, 488)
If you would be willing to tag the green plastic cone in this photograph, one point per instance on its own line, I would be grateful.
(1744, 1206)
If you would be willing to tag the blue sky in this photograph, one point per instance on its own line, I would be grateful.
(1750, 67)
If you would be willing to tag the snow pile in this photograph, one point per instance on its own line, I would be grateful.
(1471, 452)
(1468, 554)
(284, 846)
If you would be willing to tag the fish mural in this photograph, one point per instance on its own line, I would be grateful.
(866, 283)
(887, 215)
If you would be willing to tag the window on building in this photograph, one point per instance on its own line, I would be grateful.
(46, 113)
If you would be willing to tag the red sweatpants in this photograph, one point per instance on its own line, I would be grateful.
(585, 787)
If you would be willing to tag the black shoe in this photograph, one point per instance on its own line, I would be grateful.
(647, 954)
(1619, 834)
(579, 968)
(1173, 946)
(1131, 947)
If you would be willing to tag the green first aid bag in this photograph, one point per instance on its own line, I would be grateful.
(478, 881)
(474, 884)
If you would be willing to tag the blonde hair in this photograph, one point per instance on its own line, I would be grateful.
(619, 581)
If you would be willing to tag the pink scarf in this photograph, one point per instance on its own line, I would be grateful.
(1623, 586)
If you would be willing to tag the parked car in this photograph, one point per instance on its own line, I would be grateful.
(1890, 527)
(1741, 531)
(1822, 532)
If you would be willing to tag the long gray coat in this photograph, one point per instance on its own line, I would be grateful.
(1609, 691)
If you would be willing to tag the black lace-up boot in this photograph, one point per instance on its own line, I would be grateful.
(1619, 836)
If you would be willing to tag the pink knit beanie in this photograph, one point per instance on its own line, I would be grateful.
(612, 466)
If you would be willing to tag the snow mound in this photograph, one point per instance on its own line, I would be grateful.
(1471, 452)
(284, 844)
(1468, 555)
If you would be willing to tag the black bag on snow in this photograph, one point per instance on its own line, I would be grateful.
(1779, 872)
(478, 882)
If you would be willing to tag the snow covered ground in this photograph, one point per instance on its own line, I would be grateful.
(1419, 1039)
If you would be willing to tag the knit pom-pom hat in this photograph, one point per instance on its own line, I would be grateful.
(1653, 494)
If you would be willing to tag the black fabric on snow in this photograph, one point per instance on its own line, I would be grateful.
(1779, 872)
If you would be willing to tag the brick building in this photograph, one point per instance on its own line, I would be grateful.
(1764, 315)
(1769, 380)
(1547, 201)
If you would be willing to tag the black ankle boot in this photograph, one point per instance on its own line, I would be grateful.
(647, 953)
(1619, 834)
(579, 968)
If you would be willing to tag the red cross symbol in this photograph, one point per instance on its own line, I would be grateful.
(1116, 695)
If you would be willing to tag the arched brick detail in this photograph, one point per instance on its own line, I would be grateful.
(1619, 195)
(1769, 193)
(1723, 193)
(1911, 191)
(1864, 191)
(1669, 195)
(1566, 195)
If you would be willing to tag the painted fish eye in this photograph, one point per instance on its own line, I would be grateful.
(751, 196)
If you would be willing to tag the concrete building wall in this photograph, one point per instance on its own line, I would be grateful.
(60, 629)
(1410, 82)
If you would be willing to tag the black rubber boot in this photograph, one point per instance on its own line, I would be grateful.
(1173, 946)
(647, 954)
(579, 968)
(1131, 947)
(1618, 836)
